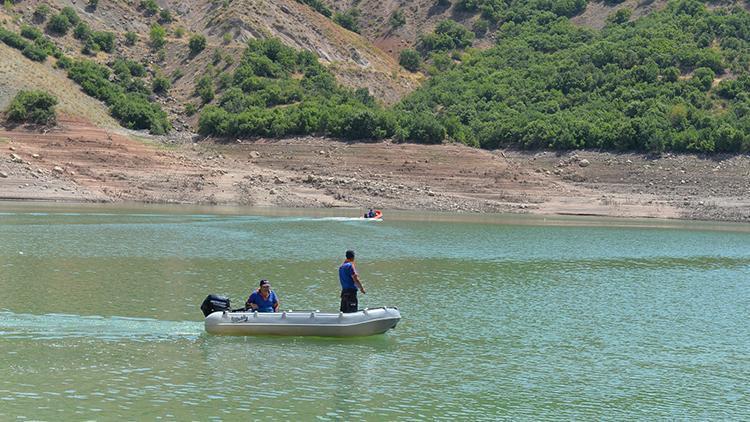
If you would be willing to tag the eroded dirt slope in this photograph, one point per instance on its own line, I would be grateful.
(79, 162)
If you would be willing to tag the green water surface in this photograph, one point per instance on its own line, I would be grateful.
(503, 318)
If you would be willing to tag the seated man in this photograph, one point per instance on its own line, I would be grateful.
(264, 299)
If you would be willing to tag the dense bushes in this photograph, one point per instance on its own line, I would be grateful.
(647, 85)
(127, 99)
(32, 107)
(37, 50)
(277, 91)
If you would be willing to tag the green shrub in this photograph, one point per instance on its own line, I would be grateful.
(177, 74)
(130, 38)
(127, 100)
(41, 12)
(348, 19)
(30, 32)
(319, 6)
(160, 84)
(135, 111)
(35, 53)
(448, 35)
(410, 59)
(205, 88)
(480, 27)
(165, 16)
(197, 43)
(397, 19)
(49, 47)
(149, 7)
(105, 40)
(179, 32)
(93, 4)
(59, 24)
(82, 31)
(157, 35)
(32, 107)
(71, 14)
(12, 39)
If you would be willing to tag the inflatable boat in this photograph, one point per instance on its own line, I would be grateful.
(366, 322)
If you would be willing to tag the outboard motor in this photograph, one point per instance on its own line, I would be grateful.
(214, 303)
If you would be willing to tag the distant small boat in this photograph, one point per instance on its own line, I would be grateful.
(366, 322)
(378, 216)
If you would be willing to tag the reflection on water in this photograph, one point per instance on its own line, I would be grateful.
(535, 320)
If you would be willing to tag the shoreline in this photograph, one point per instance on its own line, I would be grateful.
(77, 162)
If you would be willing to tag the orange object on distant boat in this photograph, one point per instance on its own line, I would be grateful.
(378, 215)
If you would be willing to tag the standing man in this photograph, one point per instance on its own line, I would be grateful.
(350, 283)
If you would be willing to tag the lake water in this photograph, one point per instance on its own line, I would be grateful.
(502, 317)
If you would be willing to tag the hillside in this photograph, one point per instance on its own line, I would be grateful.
(226, 26)
(17, 73)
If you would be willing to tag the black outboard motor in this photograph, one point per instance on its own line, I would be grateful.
(214, 303)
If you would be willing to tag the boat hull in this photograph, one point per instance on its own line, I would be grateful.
(366, 322)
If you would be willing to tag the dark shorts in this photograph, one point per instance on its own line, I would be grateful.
(349, 300)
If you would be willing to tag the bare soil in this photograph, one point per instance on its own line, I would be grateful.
(78, 162)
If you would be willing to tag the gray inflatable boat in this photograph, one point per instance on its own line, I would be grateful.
(366, 322)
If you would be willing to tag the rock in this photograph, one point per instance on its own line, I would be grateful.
(57, 169)
(3, 174)
(584, 163)
(322, 152)
(254, 154)
(37, 156)
(277, 180)
(12, 148)
(15, 158)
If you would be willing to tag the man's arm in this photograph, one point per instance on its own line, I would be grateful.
(358, 283)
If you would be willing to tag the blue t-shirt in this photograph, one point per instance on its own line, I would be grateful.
(264, 305)
(346, 275)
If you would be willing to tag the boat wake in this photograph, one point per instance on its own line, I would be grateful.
(65, 326)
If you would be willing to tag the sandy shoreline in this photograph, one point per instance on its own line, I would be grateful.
(77, 162)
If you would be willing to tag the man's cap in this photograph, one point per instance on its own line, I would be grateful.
(350, 254)
(264, 282)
